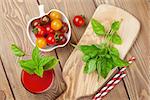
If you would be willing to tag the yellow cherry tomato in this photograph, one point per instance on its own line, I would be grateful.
(41, 42)
(56, 24)
(55, 15)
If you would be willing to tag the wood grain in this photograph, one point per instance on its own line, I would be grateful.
(80, 84)
(5, 91)
(14, 18)
(138, 79)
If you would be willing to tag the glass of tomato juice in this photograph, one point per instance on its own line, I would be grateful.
(36, 84)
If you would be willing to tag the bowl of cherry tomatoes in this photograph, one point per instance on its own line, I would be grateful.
(49, 31)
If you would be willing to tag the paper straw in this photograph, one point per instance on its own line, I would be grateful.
(112, 83)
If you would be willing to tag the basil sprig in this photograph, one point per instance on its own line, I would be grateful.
(38, 64)
(103, 57)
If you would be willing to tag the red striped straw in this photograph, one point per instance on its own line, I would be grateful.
(112, 86)
(112, 83)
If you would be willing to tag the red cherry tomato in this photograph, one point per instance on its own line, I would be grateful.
(49, 29)
(64, 28)
(39, 31)
(62, 39)
(38, 36)
(79, 20)
(35, 23)
(51, 39)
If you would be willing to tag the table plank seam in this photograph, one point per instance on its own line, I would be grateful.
(94, 3)
(59, 61)
(7, 79)
(126, 89)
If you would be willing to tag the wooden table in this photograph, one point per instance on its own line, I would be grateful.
(14, 15)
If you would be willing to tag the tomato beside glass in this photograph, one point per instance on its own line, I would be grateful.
(79, 20)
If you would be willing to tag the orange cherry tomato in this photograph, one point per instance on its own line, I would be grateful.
(55, 15)
(41, 42)
(56, 24)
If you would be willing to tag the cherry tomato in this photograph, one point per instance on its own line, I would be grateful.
(35, 23)
(45, 19)
(55, 15)
(62, 39)
(51, 39)
(41, 42)
(39, 31)
(56, 24)
(64, 28)
(49, 29)
(79, 20)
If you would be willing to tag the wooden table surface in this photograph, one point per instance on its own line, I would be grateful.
(14, 15)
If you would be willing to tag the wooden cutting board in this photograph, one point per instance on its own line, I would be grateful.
(80, 84)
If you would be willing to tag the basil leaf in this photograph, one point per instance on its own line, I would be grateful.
(107, 56)
(109, 64)
(93, 54)
(114, 51)
(91, 51)
(98, 28)
(115, 26)
(28, 65)
(91, 65)
(105, 68)
(101, 46)
(28, 70)
(39, 71)
(44, 61)
(36, 55)
(98, 67)
(119, 62)
(17, 51)
(88, 50)
(116, 39)
(51, 64)
(85, 58)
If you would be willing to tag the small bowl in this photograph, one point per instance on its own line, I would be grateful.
(32, 37)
